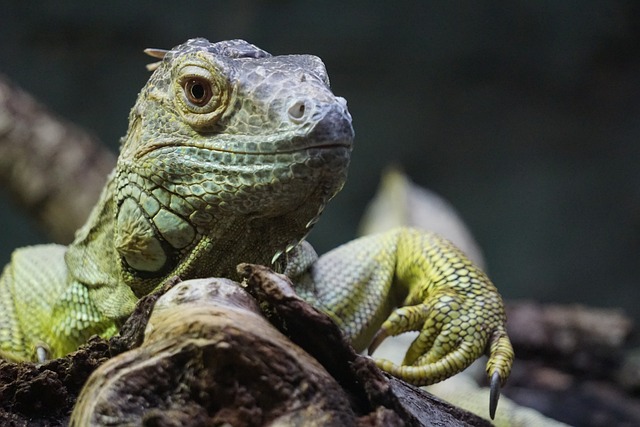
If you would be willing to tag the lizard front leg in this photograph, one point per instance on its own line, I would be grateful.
(442, 294)
(42, 313)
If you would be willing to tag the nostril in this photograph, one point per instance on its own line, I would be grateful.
(297, 110)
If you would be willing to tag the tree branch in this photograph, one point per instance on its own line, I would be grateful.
(52, 169)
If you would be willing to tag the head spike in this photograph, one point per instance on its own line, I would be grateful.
(153, 66)
(156, 53)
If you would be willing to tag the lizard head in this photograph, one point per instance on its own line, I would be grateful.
(226, 138)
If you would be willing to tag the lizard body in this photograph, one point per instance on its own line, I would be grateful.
(230, 156)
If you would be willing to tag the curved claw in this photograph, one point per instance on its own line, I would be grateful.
(494, 394)
(403, 319)
(42, 353)
(380, 336)
(501, 358)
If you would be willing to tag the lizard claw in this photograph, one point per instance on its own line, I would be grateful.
(499, 365)
(42, 353)
(380, 336)
(494, 394)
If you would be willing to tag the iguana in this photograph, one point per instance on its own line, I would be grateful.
(231, 155)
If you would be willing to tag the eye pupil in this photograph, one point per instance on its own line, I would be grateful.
(198, 91)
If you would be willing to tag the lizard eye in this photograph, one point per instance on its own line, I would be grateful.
(198, 91)
(201, 95)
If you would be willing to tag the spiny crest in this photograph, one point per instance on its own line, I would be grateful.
(155, 53)
(231, 48)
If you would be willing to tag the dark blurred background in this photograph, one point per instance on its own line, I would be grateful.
(524, 114)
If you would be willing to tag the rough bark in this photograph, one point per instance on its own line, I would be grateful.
(51, 168)
(357, 374)
(210, 357)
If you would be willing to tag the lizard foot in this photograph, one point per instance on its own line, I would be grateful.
(454, 331)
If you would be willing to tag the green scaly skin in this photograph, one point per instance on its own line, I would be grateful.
(230, 156)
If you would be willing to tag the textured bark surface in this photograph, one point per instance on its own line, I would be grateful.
(210, 357)
(357, 374)
(53, 169)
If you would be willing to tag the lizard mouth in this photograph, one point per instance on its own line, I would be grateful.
(331, 145)
(329, 130)
(294, 147)
(324, 146)
(328, 146)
